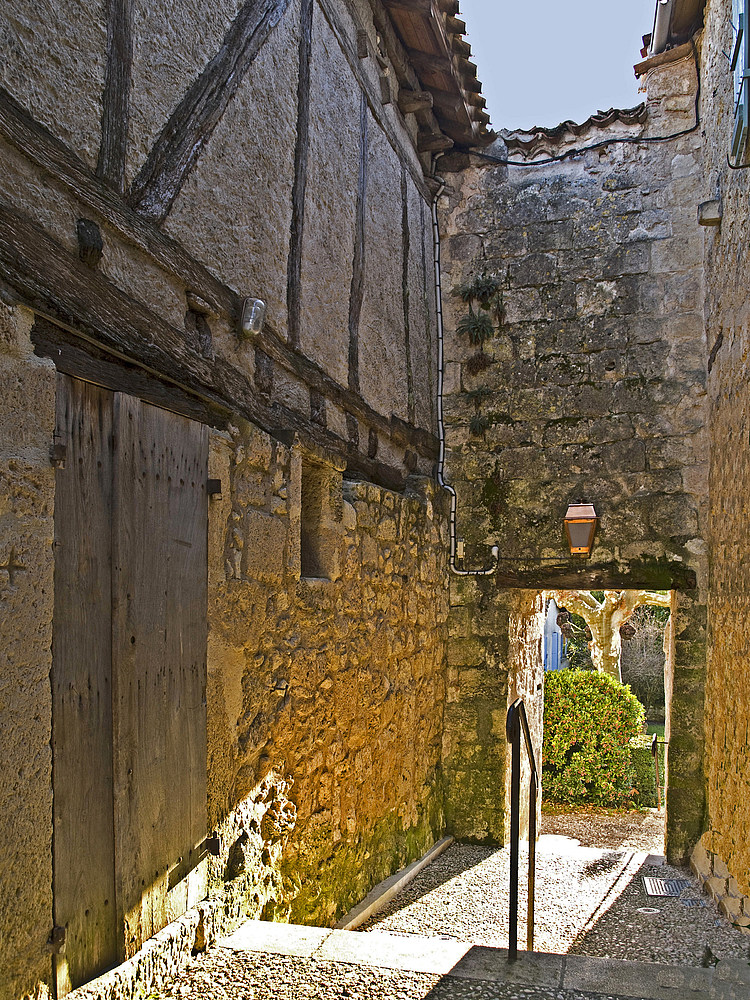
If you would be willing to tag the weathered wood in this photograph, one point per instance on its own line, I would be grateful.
(86, 361)
(299, 186)
(159, 593)
(59, 287)
(52, 155)
(434, 142)
(399, 58)
(184, 137)
(405, 293)
(357, 290)
(411, 101)
(83, 884)
(116, 99)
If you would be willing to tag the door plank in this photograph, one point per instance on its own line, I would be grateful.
(158, 658)
(83, 880)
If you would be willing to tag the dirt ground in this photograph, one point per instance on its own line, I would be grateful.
(595, 827)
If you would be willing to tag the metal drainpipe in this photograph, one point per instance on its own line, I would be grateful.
(488, 571)
(662, 22)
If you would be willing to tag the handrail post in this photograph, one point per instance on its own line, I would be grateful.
(514, 737)
(516, 720)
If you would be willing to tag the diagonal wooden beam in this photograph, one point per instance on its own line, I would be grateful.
(183, 138)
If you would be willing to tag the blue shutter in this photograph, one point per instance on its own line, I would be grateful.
(741, 67)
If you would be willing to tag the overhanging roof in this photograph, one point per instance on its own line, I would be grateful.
(432, 35)
(687, 15)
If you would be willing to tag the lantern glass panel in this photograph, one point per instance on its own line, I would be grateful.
(579, 533)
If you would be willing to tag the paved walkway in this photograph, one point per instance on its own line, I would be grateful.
(264, 961)
(589, 901)
(444, 936)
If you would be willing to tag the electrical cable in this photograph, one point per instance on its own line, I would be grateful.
(489, 570)
(631, 139)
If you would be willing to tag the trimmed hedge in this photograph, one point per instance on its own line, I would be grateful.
(589, 720)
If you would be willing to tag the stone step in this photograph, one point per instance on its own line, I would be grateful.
(566, 975)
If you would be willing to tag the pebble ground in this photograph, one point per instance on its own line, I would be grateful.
(588, 901)
(222, 974)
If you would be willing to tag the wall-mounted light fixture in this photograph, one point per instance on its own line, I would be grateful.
(253, 314)
(580, 525)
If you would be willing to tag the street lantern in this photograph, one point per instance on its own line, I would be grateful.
(580, 525)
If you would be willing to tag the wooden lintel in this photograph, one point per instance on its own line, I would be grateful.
(435, 142)
(411, 101)
(59, 287)
(446, 102)
(412, 6)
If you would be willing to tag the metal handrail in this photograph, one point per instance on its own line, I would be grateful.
(516, 723)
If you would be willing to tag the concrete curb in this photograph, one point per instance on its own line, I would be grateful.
(384, 892)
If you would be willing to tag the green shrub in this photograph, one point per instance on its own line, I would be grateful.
(589, 720)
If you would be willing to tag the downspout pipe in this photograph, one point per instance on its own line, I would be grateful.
(662, 24)
(489, 570)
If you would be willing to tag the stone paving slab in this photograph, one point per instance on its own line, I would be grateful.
(276, 939)
(446, 958)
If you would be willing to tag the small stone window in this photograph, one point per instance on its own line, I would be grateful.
(317, 553)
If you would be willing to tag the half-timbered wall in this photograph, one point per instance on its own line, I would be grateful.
(161, 163)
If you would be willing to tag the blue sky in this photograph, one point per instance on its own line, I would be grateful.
(542, 61)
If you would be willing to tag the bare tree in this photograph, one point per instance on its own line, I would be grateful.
(606, 617)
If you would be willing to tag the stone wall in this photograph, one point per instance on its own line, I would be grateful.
(593, 388)
(325, 696)
(723, 857)
(494, 657)
(27, 477)
(325, 693)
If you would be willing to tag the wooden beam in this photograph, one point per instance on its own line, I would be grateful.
(116, 98)
(357, 288)
(434, 142)
(184, 137)
(411, 101)
(399, 58)
(61, 163)
(58, 286)
(84, 360)
(299, 185)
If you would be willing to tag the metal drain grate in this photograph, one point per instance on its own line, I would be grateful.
(664, 886)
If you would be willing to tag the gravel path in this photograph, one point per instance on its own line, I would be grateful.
(589, 901)
(227, 975)
(634, 831)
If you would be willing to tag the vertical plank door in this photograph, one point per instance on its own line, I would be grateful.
(83, 846)
(158, 658)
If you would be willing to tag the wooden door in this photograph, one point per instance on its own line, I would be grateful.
(159, 661)
(84, 873)
(129, 674)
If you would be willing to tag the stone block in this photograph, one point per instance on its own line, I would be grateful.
(720, 870)
(717, 887)
(265, 538)
(700, 861)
